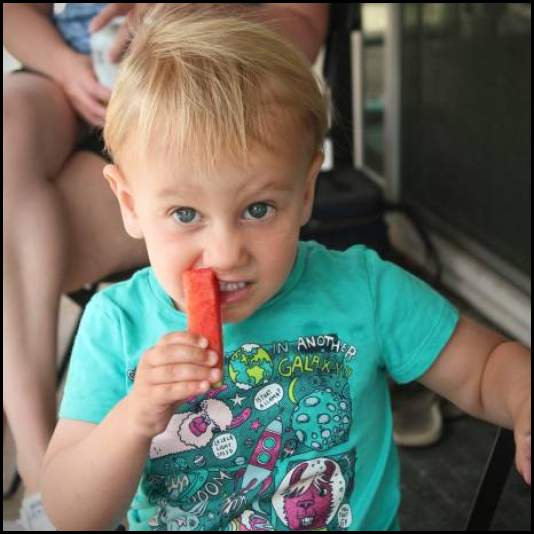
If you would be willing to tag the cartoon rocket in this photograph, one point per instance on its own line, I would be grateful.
(263, 459)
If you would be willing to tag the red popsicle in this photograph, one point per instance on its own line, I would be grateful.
(203, 307)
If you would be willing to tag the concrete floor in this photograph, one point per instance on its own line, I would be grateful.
(438, 483)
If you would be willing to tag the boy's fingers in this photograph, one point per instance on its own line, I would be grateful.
(527, 462)
(523, 455)
(187, 338)
(176, 353)
(170, 374)
(524, 468)
(179, 391)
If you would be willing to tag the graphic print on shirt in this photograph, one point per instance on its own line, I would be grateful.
(310, 494)
(257, 453)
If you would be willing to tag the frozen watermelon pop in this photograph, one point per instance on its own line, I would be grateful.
(203, 307)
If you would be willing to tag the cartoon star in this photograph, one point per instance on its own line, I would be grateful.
(256, 425)
(237, 400)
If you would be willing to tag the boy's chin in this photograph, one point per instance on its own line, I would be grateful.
(237, 314)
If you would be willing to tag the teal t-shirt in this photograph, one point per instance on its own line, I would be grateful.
(299, 437)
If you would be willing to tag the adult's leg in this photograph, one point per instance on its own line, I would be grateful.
(72, 236)
(40, 131)
(98, 244)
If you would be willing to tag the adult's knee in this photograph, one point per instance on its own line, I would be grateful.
(20, 122)
(22, 163)
(39, 130)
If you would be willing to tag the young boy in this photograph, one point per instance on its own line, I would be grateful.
(216, 127)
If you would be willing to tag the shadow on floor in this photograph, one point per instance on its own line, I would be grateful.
(438, 483)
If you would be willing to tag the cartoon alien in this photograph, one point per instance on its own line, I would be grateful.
(310, 495)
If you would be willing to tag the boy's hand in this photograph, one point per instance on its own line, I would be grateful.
(178, 367)
(522, 426)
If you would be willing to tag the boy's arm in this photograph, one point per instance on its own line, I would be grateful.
(30, 36)
(489, 377)
(91, 472)
(102, 462)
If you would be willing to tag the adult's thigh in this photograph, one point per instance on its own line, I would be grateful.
(98, 244)
(40, 129)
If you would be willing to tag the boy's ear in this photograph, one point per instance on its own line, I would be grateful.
(309, 192)
(123, 192)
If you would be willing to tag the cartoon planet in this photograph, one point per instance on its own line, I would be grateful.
(250, 366)
(322, 419)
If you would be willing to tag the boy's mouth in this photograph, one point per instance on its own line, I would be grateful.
(233, 291)
(231, 286)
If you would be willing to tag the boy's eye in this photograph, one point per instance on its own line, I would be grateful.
(258, 210)
(185, 215)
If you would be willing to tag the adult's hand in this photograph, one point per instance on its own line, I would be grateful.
(133, 12)
(85, 93)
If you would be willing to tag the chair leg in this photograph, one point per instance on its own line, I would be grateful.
(492, 482)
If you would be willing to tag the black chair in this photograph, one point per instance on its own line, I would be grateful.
(350, 208)
(492, 481)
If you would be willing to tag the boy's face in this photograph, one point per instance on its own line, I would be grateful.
(242, 222)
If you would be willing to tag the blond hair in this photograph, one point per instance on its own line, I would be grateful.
(203, 82)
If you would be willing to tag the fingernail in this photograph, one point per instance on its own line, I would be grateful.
(215, 374)
(212, 357)
(203, 343)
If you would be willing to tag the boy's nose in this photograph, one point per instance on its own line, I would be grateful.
(225, 251)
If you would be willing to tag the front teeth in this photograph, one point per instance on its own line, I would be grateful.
(231, 286)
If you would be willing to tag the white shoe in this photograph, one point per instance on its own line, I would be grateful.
(417, 418)
(33, 517)
(450, 410)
